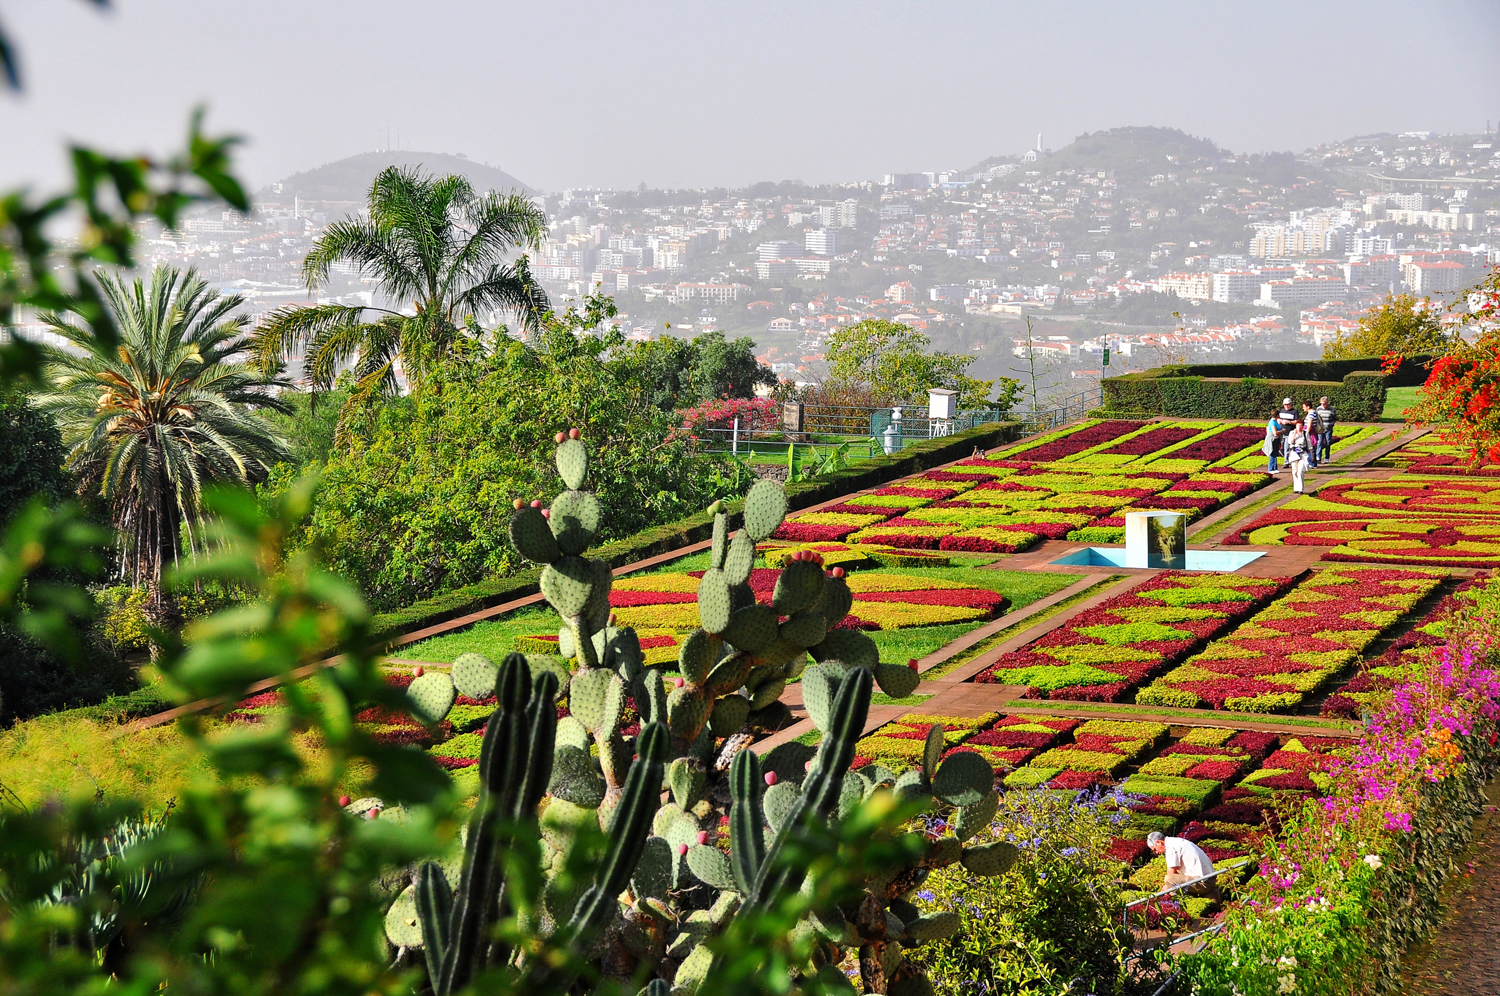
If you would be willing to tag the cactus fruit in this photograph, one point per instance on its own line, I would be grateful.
(971, 819)
(568, 584)
(765, 507)
(715, 601)
(575, 521)
(710, 867)
(752, 629)
(474, 676)
(897, 682)
(531, 535)
(963, 779)
(431, 696)
(597, 699)
(990, 859)
(848, 646)
(572, 462)
(698, 654)
(729, 715)
(574, 778)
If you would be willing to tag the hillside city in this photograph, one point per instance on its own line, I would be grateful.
(1146, 242)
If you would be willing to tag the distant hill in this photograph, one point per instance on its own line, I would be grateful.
(349, 179)
(1124, 148)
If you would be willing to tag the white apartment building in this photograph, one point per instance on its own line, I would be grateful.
(1302, 290)
(821, 241)
(1236, 285)
(1191, 286)
(716, 293)
(780, 249)
(775, 269)
(1439, 277)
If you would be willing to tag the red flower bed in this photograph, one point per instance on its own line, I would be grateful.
(630, 599)
(1166, 501)
(973, 544)
(936, 493)
(1221, 445)
(955, 476)
(1076, 780)
(976, 598)
(1216, 771)
(454, 763)
(1000, 737)
(1077, 442)
(1150, 442)
(1009, 485)
(1250, 814)
(1128, 851)
(809, 532)
(1291, 780)
(844, 508)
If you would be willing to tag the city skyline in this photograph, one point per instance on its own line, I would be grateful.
(722, 96)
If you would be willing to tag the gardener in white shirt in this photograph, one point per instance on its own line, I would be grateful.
(1186, 862)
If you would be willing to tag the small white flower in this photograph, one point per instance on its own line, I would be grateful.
(1286, 961)
(1373, 860)
(1286, 984)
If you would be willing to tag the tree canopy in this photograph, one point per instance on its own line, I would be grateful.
(1401, 325)
(893, 363)
(681, 373)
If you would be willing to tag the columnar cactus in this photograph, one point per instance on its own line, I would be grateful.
(666, 885)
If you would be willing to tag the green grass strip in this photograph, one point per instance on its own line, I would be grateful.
(1222, 525)
(1125, 708)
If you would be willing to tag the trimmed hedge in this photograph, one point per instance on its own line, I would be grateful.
(1413, 369)
(1360, 397)
(386, 626)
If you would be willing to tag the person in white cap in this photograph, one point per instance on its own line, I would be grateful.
(1186, 862)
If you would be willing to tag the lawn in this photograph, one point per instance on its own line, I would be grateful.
(1397, 399)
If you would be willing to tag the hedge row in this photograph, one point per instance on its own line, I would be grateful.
(1360, 397)
(695, 528)
(1412, 371)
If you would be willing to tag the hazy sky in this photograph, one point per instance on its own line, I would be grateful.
(688, 94)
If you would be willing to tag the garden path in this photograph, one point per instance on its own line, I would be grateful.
(1463, 956)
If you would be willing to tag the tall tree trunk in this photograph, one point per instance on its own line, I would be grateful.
(161, 608)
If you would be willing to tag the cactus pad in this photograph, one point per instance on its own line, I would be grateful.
(697, 656)
(710, 867)
(798, 587)
(568, 584)
(571, 732)
(715, 603)
(431, 696)
(741, 558)
(687, 711)
(778, 803)
(805, 629)
(566, 648)
(653, 871)
(932, 750)
(693, 970)
(729, 715)
(575, 521)
(474, 676)
(933, 926)
(971, 819)
(650, 697)
(531, 535)
(597, 697)
(836, 601)
(401, 924)
(622, 651)
(720, 547)
(847, 646)
(915, 984)
(911, 785)
(943, 852)
(575, 779)
(765, 507)
(851, 794)
(752, 629)
(775, 716)
(963, 779)
(819, 685)
(896, 681)
(686, 781)
(542, 663)
(730, 674)
(991, 859)
(573, 462)
(768, 693)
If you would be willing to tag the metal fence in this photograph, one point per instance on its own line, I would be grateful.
(871, 431)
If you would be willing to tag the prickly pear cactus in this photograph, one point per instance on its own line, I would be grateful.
(680, 870)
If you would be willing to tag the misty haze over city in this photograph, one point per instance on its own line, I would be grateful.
(1167, 181)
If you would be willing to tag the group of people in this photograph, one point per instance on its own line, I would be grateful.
(1300, 440)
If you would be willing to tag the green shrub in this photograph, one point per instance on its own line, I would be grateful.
(122, 619)
(34, 681)
(1358, 397)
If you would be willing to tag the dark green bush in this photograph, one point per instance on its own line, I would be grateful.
(34, 681)
(1360, 397)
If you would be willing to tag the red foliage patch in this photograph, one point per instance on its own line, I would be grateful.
(1077, 442)
(1150, 442)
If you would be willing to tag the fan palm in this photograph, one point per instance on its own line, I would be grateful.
(170, 410)
(431, 241)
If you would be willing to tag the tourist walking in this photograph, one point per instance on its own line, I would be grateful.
(1327, 419)
(1298, 455)
(1272, 446)
(1310, 426)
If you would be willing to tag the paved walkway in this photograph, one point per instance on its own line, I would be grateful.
(1463, 957)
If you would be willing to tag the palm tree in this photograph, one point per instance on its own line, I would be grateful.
(431, 241)
(170, 410)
